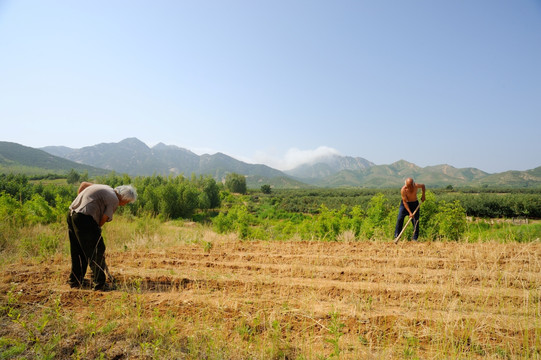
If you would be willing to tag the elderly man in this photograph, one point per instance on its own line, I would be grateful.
(408, 205)
(91, 209)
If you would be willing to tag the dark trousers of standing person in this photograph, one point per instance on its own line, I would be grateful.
(402, 214)
(86, 248)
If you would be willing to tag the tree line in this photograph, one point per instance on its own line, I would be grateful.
(483, 203)
(266, 213)
(180, 197)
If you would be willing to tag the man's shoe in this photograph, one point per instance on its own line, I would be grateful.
(104, 287)
(79, 285)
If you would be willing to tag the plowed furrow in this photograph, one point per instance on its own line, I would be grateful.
(489, 293)
(368, 270)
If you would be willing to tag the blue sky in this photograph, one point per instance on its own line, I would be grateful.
(279, 82)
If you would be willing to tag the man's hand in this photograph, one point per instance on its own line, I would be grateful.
(104, 219)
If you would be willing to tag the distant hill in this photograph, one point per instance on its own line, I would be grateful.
(129, 156)
(133, 157)
(529, 178)
(394, 174)
(16, 158)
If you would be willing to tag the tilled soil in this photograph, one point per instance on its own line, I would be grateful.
(375, 299)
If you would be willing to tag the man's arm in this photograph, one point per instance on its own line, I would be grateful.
(423, 188)
(83, 186)
(103, 220)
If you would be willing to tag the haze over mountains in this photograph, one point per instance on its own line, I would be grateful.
(133, 157)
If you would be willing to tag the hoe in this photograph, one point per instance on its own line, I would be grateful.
(405, 226)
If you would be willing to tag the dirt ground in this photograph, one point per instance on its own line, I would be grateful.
(375, 299)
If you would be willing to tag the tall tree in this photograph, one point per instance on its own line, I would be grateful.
(235, 183)
(73, 177)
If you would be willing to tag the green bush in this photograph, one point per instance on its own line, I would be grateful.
(38, 211)
(11, 211)
(222, 223)
(376, 219)
(327, 224)
(357, 217)
(451, 220)
(428, 217)
(237, 219)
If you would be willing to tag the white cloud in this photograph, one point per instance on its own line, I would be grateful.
(294, 157)
(290, 160)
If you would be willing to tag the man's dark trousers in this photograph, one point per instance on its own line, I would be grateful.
(87, 248)
(402, 214)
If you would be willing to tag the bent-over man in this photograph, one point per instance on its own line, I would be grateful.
(91, 209)
(408, 205)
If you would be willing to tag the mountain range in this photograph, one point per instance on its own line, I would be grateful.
(133, 157)
(19, 159)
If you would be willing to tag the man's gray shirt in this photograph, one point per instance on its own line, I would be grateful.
(96, 201)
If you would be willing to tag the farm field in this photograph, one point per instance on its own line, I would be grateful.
(194, 294)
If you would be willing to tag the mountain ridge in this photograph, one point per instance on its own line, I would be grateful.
(17, 158)
(133, 157)
(325, 171)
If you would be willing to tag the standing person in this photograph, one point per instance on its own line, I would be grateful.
(408, 205)
(91, 209)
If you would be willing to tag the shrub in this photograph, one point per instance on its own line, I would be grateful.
(357, 216)
(327, 224)
(427, 218)
(38, 210)
(376, 215)
(451, 220)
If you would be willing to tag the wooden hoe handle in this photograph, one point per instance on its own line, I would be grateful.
(405, 226)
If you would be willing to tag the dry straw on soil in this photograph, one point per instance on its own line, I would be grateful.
(189, 293)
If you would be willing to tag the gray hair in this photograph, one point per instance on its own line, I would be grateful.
(127, 192)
